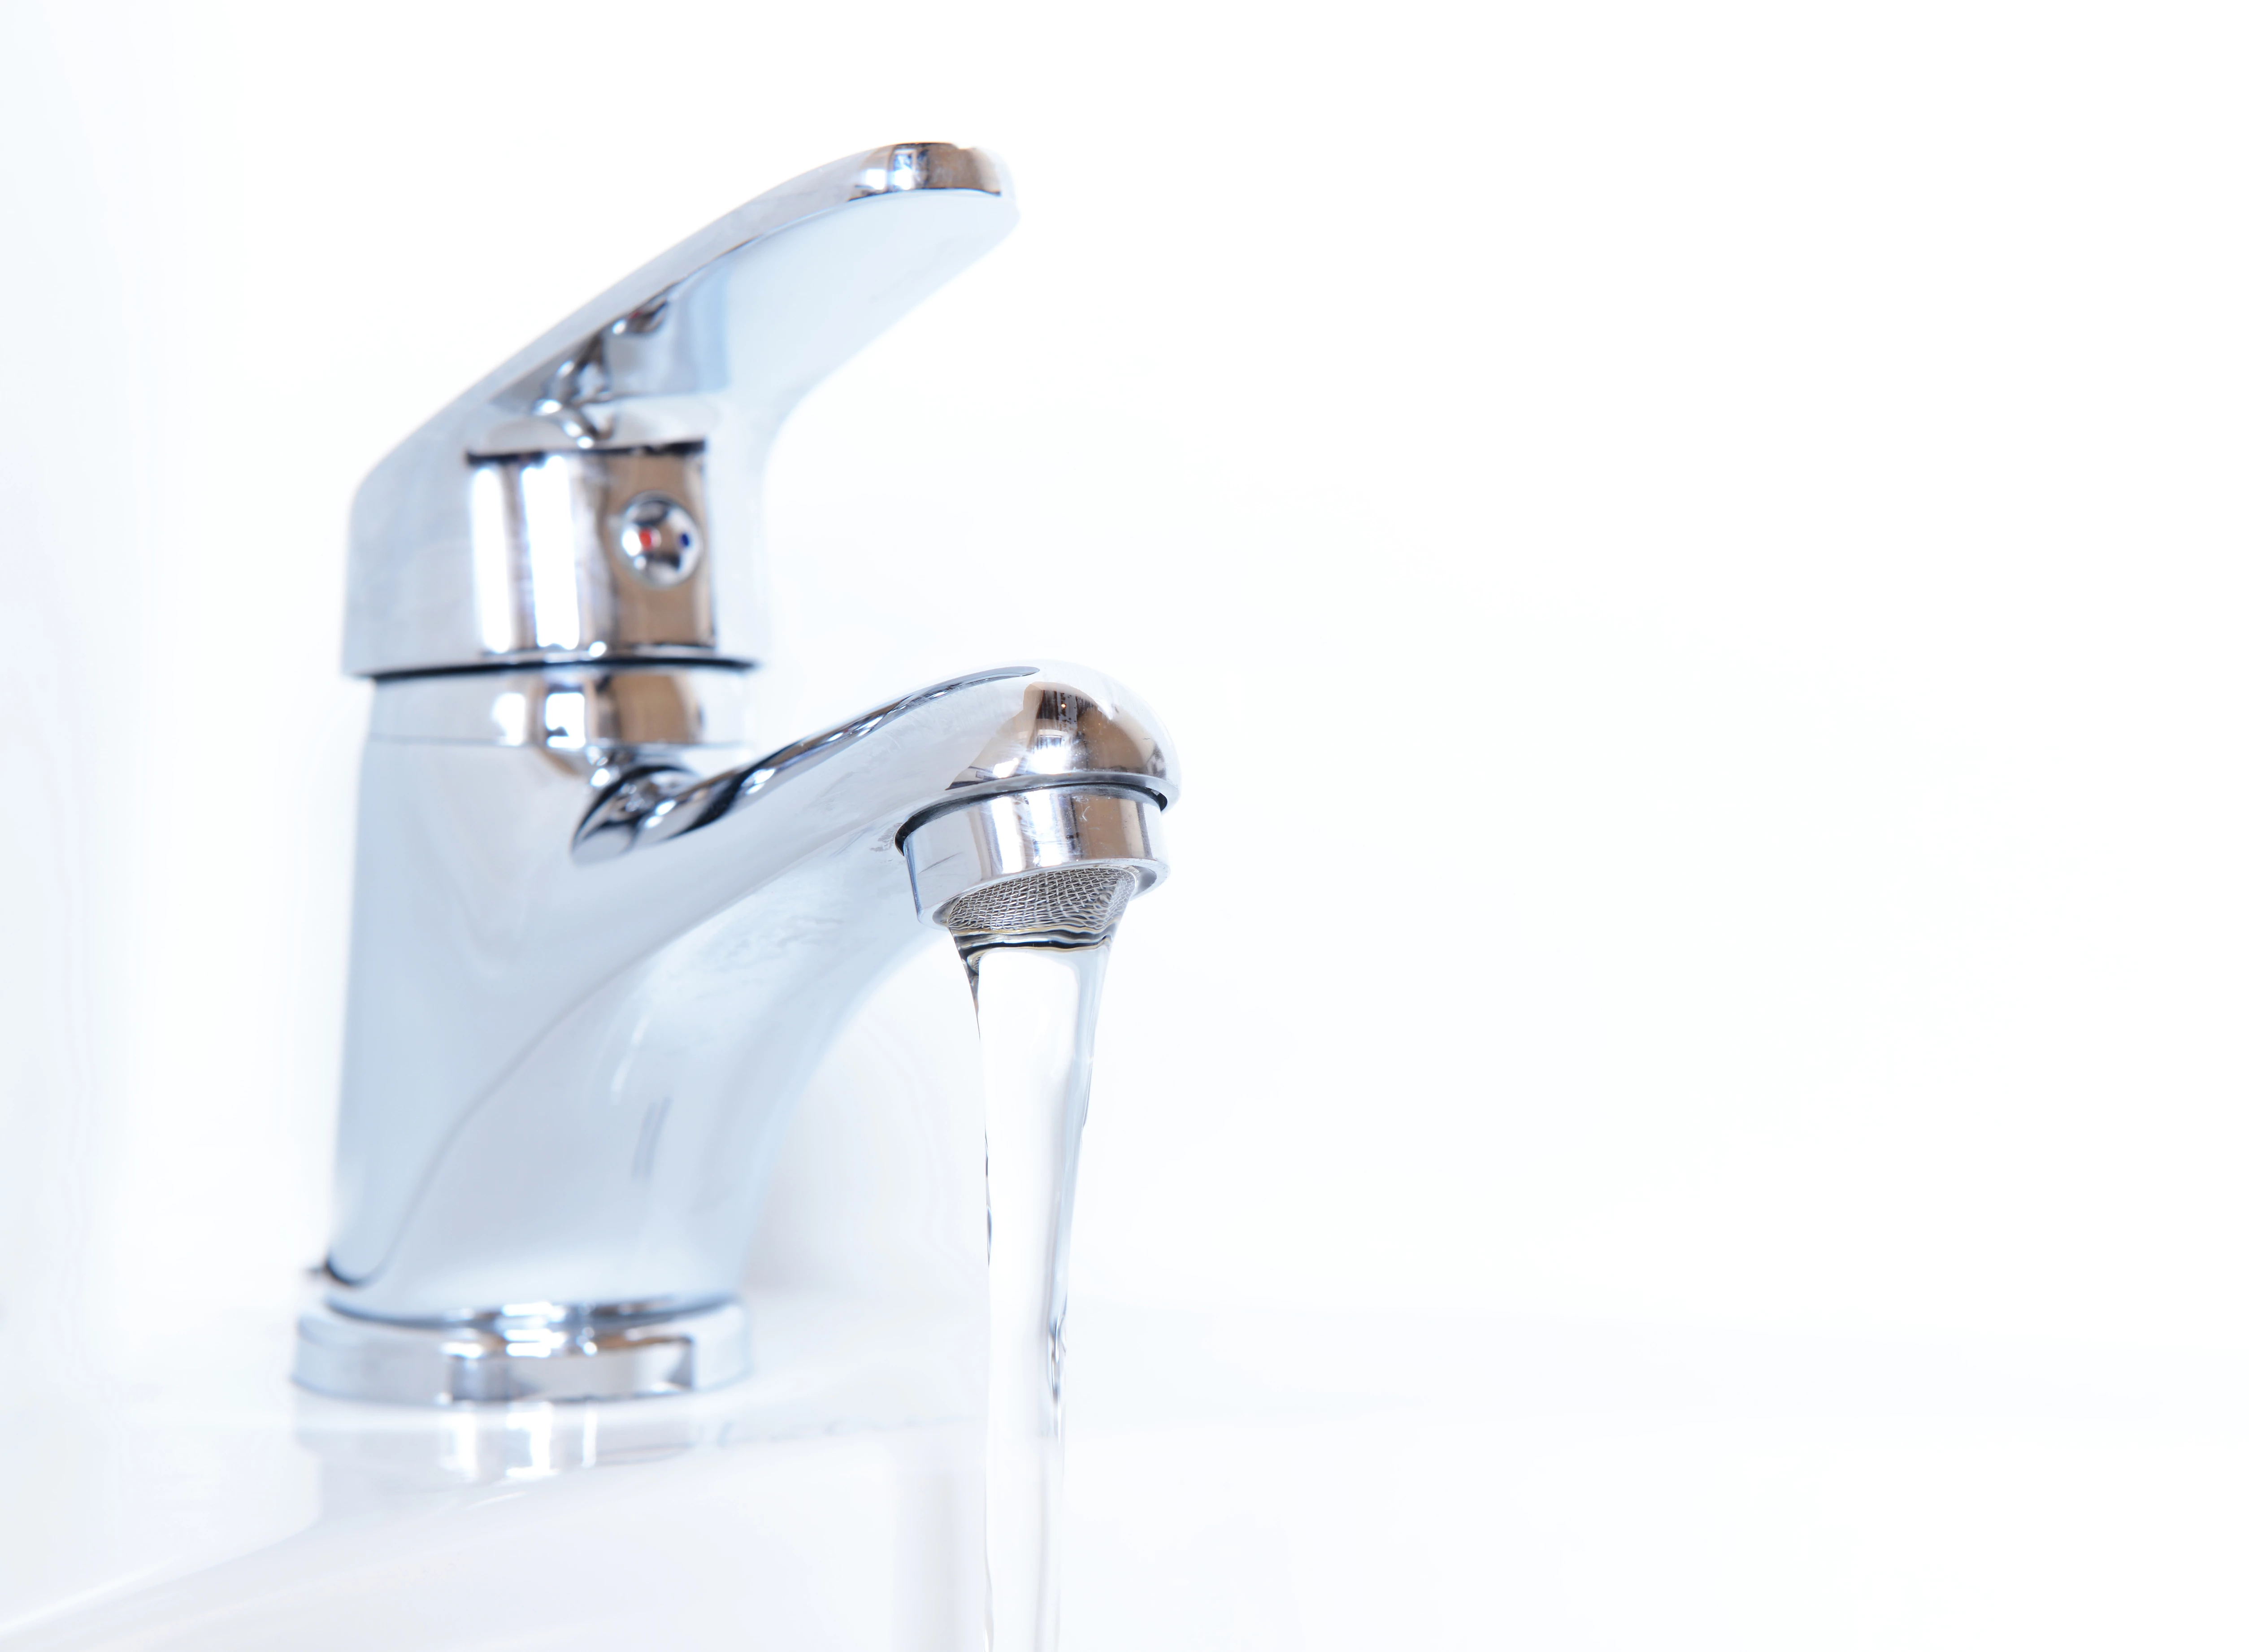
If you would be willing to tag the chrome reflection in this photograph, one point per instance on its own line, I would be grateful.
(588, 555)
(594, 954)
(567, 708)
(658, 802)
(994, 839)
(567, 1065)
(494, 533)
(540, 1352)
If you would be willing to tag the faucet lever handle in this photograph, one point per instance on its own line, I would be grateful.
(597, 497)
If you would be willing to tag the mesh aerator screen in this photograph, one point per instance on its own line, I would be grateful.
(1085, 900)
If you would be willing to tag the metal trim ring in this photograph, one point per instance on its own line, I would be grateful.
(551, 1353)
(990, 838)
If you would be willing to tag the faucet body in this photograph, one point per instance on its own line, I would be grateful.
(599, 944)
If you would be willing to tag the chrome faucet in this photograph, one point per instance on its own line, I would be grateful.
(598, 945)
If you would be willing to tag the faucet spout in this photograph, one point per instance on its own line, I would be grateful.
(586, 994)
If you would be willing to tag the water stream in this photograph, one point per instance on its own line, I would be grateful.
(1036, 1005)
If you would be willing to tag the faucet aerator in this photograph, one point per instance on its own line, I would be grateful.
(1050, 865)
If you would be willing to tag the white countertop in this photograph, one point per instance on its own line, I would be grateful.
(1275, 1480)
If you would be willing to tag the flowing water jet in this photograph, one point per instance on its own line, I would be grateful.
(1036, 948)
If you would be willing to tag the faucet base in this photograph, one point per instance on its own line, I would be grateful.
(604, 1352)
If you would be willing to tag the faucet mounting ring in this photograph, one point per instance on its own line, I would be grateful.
(542, 1351)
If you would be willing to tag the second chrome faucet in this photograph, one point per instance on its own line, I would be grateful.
(599, 945)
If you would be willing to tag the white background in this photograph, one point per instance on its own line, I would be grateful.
(1694, 556)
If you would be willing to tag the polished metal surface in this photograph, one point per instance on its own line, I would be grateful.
(659, 540)
(497, 532)
(598, 947)
(539, 1352)
(592, 555)
(996, 840)
(569, 708)
(565, 1073)
(654, 803)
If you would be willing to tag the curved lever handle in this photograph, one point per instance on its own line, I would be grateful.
(597, 496)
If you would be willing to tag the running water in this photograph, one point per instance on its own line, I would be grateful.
(1036, 1003)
